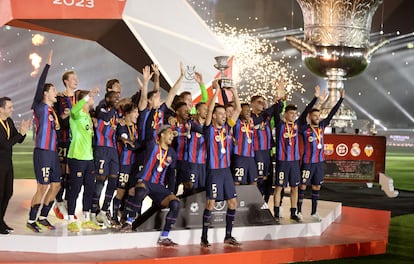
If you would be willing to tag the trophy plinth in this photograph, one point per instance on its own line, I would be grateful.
(222, 65)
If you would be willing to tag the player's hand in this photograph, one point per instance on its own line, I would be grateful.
(198, 77)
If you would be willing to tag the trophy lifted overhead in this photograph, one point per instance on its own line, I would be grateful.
(336, 45)
(222, 65)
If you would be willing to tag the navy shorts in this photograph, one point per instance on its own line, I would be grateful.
(62, 149)
(124, 175)
(197, 174)
(312, 173)
(244, 169)
(262, 158)
(220, 185)
(287, 172)
(156, 192)
(106, 161)
(182, 172)
(46, 166)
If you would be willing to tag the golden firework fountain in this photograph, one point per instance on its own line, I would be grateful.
(336, 46)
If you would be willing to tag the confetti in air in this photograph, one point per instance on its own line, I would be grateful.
(255, 71)
(38, 40)
(36, 60)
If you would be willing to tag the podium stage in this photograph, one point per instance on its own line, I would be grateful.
(343, 232)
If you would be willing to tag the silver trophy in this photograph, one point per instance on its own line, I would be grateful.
(222, 65)
(336, 46)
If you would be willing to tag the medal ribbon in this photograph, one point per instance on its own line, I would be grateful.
(162, 159)
(222, 137)
(6, 127)
(131, 132)
(246, 126)
(156, 119)
(290, 132)
(57, 125)
(317, 133)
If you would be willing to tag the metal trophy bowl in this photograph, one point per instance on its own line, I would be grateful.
(221, 65)
(336, 45)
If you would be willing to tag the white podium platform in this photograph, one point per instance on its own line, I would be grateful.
(62, 241)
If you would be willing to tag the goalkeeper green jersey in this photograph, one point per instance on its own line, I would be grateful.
(81, 128)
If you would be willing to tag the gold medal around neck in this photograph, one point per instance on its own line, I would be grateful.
(223, 150)
(249, 141)
(217, 138)
(159, 169)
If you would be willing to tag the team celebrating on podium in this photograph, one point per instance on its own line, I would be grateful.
(139, 146)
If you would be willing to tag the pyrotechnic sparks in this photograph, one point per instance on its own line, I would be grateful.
(36, 60)
(38, 40)
(254, 69)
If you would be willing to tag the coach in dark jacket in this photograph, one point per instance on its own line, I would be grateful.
(8, 137)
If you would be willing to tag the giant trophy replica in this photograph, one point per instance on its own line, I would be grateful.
(336, 46)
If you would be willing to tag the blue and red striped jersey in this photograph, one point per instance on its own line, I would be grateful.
(46, 123)
(313, 137)
(45, 118)
(62, 103)
(180, 143)
(244, 138)
(219, 146)
(287, 135)
(287, 144)
(105, 130)
(158, 163)
(262, 130)
(151, 119)
(125, 152)
(197, 144)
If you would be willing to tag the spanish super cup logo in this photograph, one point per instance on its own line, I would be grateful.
(341, 150)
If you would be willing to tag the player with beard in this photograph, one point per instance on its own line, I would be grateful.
(152, 182)
(220, 184)
(314, 156)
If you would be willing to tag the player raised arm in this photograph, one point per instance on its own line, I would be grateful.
(174, 89)
(156, 73)
(212, 102)
(237, 106)
(303, 115)
(143, 101)
(38, 98)
(198, 77)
